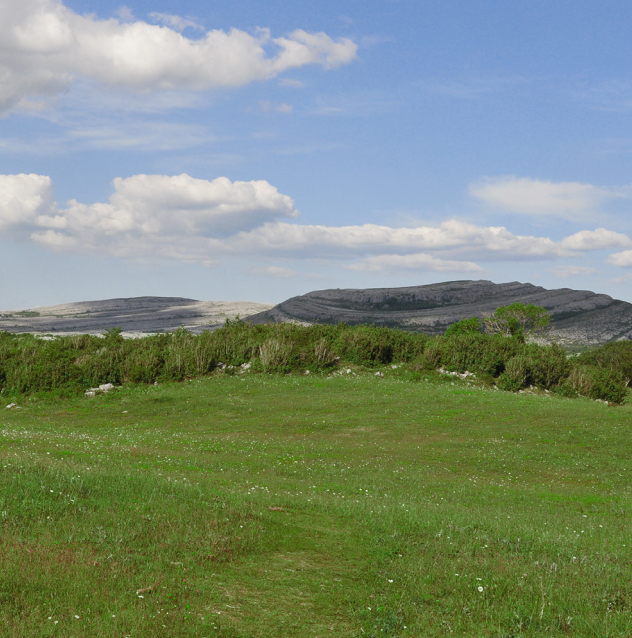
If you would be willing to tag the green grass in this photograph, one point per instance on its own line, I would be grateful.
(265, 506)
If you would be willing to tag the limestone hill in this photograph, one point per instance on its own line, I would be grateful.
(136, 315)
(580, 318)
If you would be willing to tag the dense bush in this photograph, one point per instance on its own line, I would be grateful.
(615, 356)
(596, 383)
(471, 352)
(74, 363)
(514, 365)
(470, 325)
(29, 363)
(543, 366)
(516, 374)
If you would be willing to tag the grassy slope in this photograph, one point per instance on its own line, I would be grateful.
(305, 506)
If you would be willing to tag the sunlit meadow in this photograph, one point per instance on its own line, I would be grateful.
(356, 505)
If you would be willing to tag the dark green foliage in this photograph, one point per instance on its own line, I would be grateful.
(70, 365)
(596, 383)
(541, 366)
(75, 363)
(514, 365)
(516, 374)
(547, 365)
(518, 320)
(615, 356)
(472, 325)
(471, 352)
(372, 345)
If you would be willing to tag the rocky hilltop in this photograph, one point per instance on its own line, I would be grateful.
(579, 317)
(136, 315)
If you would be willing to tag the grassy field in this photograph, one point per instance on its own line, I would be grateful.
(276, 506)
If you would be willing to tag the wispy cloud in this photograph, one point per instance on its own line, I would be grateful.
(353, 105)
(177, 23)
(614, 95)
(419, 263)
(111, 135)
(277, 272)
(141, 136)
(291, 83)
(308, 149)
(267, 107)
(526, 196)
(565, 272)
(472, 88)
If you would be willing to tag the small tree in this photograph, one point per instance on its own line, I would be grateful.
(518, 320)
(464, 327)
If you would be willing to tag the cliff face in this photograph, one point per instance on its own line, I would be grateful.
(579, 317)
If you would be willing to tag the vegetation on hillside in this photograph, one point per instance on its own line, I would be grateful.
(73, 364)
(518, 320)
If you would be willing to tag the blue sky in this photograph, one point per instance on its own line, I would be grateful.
(258, 150)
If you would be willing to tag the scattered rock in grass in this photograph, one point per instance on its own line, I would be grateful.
(11, 405)
(463, 375)
(379, 374)
(276, 509)
(104, 388)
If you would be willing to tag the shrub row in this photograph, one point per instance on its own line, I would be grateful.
(31, 364)
(74, 363)
(602, 374)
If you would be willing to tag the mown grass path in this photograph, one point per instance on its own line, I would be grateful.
(310, 506)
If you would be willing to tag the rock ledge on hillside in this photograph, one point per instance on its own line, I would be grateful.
(579, 317)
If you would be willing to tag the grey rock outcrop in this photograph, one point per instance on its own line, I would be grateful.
(136, 315)
(579, 317)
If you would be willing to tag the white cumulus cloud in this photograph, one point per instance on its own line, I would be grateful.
(522, 195)
(453, 237)
(597, 239)
(45, 46)
(25, 199)
(195, 220)
(622, 259)
(144, 213)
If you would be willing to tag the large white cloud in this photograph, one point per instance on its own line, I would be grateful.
(452, 237)
(45, 45)
(25, 200)
(522, 195)
(197, 220)
(143, 210)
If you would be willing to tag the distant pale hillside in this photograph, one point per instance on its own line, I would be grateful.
(580, 318)
(136, 315)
